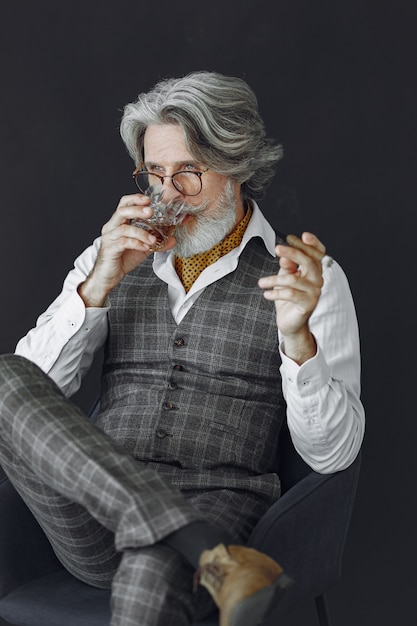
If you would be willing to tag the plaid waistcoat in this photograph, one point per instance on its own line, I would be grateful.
(200, 401)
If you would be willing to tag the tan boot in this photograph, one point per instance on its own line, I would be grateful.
(243, 582)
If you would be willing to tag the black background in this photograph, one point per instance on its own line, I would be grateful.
(336, 83)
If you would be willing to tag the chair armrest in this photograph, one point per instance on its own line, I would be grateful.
(306, 529)
(25, 552)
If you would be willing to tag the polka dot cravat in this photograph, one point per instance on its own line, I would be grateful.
(190, 268)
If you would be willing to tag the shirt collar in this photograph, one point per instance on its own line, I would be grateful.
(259, 227)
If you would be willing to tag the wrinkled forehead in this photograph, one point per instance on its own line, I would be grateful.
(165, 145)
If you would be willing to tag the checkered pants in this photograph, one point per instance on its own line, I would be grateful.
(104, 512)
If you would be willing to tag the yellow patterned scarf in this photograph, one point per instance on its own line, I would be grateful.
(190, 268)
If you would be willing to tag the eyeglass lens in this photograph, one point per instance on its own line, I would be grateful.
(187, 183)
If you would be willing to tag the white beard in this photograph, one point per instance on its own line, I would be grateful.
(207, 230)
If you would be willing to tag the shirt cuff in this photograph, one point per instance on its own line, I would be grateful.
(74, 316)
(306, 379)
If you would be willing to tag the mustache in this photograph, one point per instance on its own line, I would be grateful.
(184, 208)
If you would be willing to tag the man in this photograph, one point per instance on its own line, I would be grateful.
(210, 344)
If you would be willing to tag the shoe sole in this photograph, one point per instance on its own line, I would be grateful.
(254, 610)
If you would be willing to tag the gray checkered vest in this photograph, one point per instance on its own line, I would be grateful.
(199, 401)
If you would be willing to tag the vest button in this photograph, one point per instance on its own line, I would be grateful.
(168, 406)
(179, 342)
(172, 385)
(179, 368)
(161, 434)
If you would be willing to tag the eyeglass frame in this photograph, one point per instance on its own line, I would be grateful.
(139, 170)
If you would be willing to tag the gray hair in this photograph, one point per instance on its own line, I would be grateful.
(222, 127)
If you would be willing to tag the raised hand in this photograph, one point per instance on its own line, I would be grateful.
(123, 247)
(295, 291)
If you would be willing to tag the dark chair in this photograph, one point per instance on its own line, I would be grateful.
(305, 531)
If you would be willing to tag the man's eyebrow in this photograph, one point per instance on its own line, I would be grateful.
(177, 165)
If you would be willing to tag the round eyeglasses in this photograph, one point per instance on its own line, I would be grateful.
(186, 182)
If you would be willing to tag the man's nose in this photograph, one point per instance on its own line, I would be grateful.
(171, 193)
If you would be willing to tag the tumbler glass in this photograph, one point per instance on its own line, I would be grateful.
(165, 217)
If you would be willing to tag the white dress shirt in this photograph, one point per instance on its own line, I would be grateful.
(324, 412)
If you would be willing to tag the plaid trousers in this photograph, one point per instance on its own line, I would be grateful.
(103, 511)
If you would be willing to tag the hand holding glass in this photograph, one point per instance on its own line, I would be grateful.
(164, 220)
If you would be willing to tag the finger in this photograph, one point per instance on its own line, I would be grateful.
(301, 295)
(312, 240)
(292, 259)
(125, 213)
(287, 266)
(134, 230)
(126, 234)
(283, 294)
(281, 281)
(312, 246)
(134, 199)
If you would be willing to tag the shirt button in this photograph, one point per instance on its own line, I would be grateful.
(179, 342)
